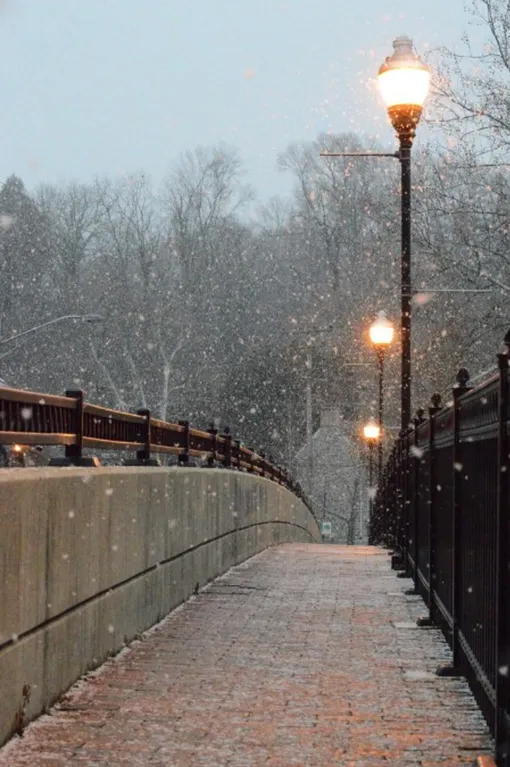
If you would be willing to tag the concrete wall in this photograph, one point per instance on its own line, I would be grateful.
(91, 557)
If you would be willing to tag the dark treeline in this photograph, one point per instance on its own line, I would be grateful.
(212, 313)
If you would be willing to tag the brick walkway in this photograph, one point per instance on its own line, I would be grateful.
(305, 655)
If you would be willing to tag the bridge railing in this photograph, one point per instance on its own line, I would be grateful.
(443, 506)
(32, 418)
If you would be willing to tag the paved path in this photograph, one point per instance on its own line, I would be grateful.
(304, 655)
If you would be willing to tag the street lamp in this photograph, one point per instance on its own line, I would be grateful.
(371, 435)
(381, 335)
(404, 84)
(83, 317)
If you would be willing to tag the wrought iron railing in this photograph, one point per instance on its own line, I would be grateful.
(31, 418)
(443, 506)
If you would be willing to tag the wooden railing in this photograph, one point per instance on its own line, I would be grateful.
(31, 418)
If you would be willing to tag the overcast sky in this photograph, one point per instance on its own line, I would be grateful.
(93, 87)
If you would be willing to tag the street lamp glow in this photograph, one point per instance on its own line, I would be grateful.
(404, 82)
(371, 432)
(381, 330)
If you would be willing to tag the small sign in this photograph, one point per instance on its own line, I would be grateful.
(326, 529)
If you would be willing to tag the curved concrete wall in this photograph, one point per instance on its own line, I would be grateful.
(89, 558)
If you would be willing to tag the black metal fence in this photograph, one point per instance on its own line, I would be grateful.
(31, 418)
(443, 506)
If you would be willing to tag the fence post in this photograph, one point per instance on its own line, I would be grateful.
(143, 456)
(502, 579)
(462, 387)
(228, 448)
(413, 474)
(385, 507)
(405, 503)
(406, 496)
(237, 453)
(433, 409)
(74, 453)
(211, 460)
(183, 458)
(382, 516)
(394, 498)
(399, 557)
(145, 453)
(271, 470)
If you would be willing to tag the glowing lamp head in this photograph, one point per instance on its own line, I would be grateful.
(17, 449)
(381, 331)
(404, 82)
(371, 432)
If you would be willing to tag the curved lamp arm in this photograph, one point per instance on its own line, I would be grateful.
(84, 317)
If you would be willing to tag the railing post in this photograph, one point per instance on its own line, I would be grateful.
(183, 458)
(385, 507)
(462, 387)
(385, 511)
(406, 506)
(74, 453)
(227, 460)
(400, 522)
(143, 455)
(432, 489)
(399, 558)
(237, 453)
(502, 580)
(211, 460)
(402, 562)
(433, 409)
(381, 519)
(406, 501)
(412, 495)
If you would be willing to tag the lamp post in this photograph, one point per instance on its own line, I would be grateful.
(371, 435)
(381, 335)
(83, 317)
(404, 83)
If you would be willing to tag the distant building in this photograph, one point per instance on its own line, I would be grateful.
(332, 471)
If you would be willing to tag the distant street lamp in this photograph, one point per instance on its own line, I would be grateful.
(404, 84)
(371, 435)
(83, 317)
(381, 335)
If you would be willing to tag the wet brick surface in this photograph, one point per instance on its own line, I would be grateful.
(304, 655)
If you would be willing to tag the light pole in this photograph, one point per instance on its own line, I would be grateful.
(381, 335)
(404, 83)
(371, 435)
(83, 317)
